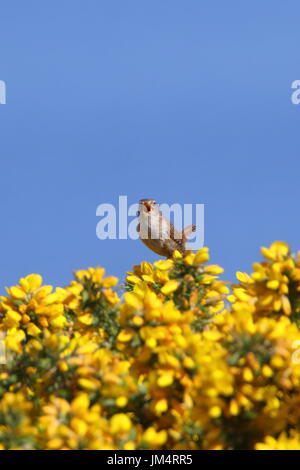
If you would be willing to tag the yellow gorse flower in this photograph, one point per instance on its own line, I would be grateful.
(181, 361)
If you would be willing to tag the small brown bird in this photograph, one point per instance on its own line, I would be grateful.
(159, 234)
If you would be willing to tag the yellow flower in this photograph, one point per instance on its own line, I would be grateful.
(244, 277)
(31, 283)
(16, 292)
(151, 343)
(110, 281)
(161, 406)
(59, 322)
(182, 364)
(234, 408)
(274, 284)
(189, 259)
(81, 402)
(277, 251)
(147, 268)
(133, 279)
(33, 330)
(248, 374)
(111, 297)
(188, 362)
(213, 269)
(79, 426)
(125, 335)
(86, 319)
(164, 265)
(120, 423)
(202, 256)
(282, 443)
(154, 438)
(165, 380)
(53, 444)
(12, 319)
(87, 384)
(129, 445)
(132, 300)
(170, 287)
(215, 412)
(121, 402)
(267, 371)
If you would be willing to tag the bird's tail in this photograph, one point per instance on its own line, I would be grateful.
(187, 231)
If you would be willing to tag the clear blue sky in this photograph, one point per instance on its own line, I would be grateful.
(180, 101)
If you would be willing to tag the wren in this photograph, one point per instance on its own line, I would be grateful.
(157, 233)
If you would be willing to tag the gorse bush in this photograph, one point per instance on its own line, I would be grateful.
(179, 360)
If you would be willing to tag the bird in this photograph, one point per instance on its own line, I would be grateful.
(157, 233)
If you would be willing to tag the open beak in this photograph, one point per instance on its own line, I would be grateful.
(148, 207)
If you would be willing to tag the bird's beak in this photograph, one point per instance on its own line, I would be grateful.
(148, 207)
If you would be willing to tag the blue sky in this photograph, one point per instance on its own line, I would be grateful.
(181, 101)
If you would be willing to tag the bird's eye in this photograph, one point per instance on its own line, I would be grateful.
(138, 213)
